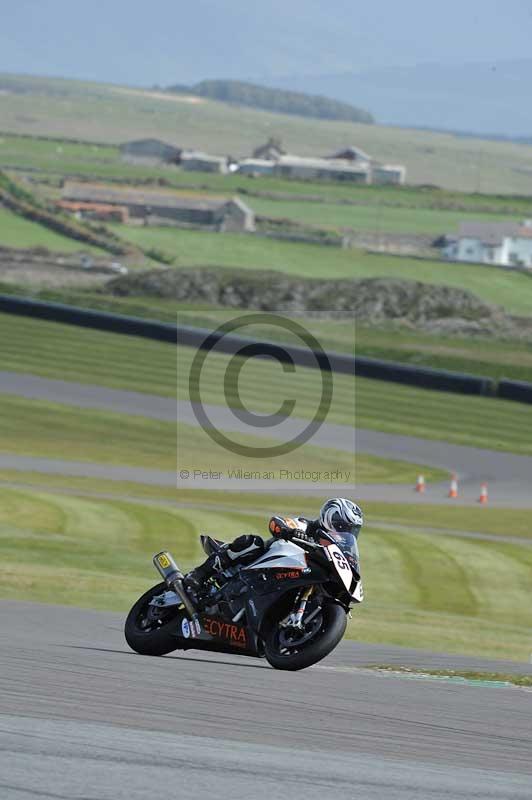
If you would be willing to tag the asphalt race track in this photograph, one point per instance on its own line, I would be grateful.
(509, 476)
(83, 718)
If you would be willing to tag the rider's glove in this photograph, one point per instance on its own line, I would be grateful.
(283, 527)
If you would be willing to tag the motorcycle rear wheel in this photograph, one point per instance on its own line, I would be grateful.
(156, 640)
(329, 634)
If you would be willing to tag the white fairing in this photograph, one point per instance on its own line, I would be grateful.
(341, 564)
(358, 594)
(281, 554)
(345, 572)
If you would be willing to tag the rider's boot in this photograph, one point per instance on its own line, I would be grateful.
(216, 562)
(243, 549)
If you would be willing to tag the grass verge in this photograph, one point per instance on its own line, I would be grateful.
(467, 675)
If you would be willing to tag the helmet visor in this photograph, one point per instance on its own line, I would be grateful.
(342, 526)
(347, 543)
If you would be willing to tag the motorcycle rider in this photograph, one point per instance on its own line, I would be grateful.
(340, 518)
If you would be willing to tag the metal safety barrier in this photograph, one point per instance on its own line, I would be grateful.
(422, 377)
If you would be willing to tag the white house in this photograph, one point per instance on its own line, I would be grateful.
(505, 243)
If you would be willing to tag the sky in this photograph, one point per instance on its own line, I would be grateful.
(168, 41)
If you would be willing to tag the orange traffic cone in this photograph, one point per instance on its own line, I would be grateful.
(483, 494)
(453, 488)
(420, 484)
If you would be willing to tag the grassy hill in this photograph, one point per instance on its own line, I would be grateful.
(112, 114)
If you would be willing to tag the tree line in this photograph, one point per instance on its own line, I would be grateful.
(278, 100)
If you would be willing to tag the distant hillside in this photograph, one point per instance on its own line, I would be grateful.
(278, 100)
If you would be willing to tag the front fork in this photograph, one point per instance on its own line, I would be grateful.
(295, 618)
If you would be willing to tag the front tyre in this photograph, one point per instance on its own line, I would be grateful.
(293, 653)
(151, 631)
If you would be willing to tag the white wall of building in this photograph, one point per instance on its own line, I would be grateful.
(518, 252)
(389, 173)
(511, 252)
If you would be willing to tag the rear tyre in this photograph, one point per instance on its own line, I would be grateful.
(149, 633)
(293, 656)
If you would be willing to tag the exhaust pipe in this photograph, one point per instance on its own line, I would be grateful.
(173, 577)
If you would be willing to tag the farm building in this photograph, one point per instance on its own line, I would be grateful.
(321, 168)
(380, 173)
(503, 243)
(394, 174)
(166, 208)
(193, 160)
(97, 211)
(256, 166)
(150, 151)
(352, 154)
(271, 151)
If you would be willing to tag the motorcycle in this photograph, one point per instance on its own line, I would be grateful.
(290, 605)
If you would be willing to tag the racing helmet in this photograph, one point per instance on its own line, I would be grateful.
(340, 516)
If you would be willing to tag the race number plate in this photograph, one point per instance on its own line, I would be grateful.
(342, 565)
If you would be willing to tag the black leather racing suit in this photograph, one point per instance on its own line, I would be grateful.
(248, 547)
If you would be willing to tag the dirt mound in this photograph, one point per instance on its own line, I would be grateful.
(423, 306)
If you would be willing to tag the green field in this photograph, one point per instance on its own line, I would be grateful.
(122, 362)
(61, 156)
(112, 114)
(194, 248)
(15, 231)
(421, 591)
(372, 217)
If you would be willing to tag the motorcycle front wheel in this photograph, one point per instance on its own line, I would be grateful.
(151, 631)
(293, 650)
